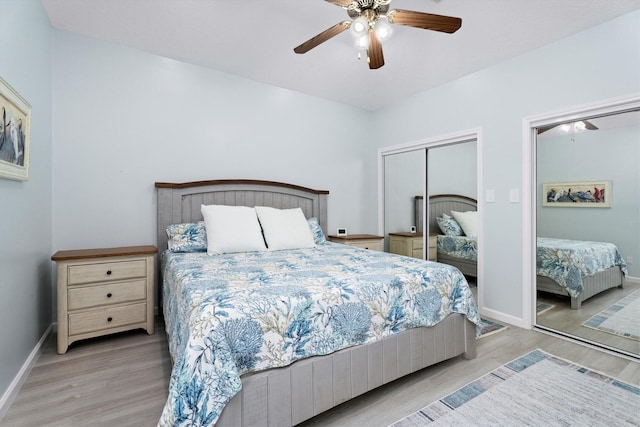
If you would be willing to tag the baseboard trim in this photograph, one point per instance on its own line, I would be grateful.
(10, 394)
(503, 317)
(632, 279)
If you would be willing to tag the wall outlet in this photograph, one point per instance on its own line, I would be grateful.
(629, 260)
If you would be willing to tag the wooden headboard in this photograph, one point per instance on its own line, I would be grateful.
(443, 203)
(180, 202)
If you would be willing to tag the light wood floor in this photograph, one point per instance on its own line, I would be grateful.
(563, 318)
(122, 380)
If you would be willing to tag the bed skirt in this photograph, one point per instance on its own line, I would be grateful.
(288, 396)
(611, 278)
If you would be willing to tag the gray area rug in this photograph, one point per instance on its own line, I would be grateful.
(537, 389)
(621, 318)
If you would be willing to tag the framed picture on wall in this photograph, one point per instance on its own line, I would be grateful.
(15, 133)
(587, 194)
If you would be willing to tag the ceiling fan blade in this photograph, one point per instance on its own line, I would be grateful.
(545, 128)
(374, 52)
(322, 37)
(589, 125)
(341, 3)
(427, 21)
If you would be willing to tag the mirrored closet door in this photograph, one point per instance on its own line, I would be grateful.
(588, 229)
(412, 175)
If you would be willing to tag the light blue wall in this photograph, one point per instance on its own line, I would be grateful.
(126, 119)
(461, 179)
(25, 228)
(599, 63)
(606, 154)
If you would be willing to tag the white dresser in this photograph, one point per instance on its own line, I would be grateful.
(103, 291)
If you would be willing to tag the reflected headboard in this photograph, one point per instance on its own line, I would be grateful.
(443, 203)
(180, 202)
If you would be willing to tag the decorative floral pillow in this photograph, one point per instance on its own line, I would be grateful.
(449, 226)
(187, 237)
(318, 235)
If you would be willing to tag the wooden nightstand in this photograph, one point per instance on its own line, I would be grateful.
(411, 244)
(103, 291)
(364, 241)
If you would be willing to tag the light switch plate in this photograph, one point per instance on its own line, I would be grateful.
(490, 196)
(514, 195)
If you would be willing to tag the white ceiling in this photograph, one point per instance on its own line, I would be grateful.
(255, 39)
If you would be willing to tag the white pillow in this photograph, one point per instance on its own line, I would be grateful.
(285, 228)
(468, 221)
(232, 229)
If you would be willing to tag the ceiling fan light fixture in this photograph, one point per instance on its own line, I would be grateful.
(580, 126)
(362, 42)
(383, 29)
(360, 27)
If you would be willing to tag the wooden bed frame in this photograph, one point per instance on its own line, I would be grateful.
(290, 395)
(445, 203)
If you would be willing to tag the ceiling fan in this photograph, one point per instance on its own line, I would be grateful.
(578, 126)
(369, 24)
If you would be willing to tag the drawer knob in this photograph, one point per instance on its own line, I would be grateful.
(109, 295)
(108, 272)
(109, 319)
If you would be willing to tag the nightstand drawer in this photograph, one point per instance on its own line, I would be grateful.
(100, 272)
(417, 253)
(113, 317)
(417, 243)
(371, 245)
(112, 293)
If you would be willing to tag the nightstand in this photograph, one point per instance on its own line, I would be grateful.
(411, 245)
(364, 241)
(433, 247)
(103, 291)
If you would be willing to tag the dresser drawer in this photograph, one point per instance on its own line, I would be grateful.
(112, 293)
(100, 272)
(417, 243)
(417, 253)
(112, 317)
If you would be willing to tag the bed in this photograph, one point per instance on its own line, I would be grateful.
(577, 269)
(444, 204)
(292, 389)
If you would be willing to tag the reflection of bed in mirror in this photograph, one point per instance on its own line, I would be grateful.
(578, 269)
(284, 394)
(589, 278)
(444, 204)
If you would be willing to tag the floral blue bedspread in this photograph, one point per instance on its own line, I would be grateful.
(459, 246)
(567, 262)
(231, 314)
